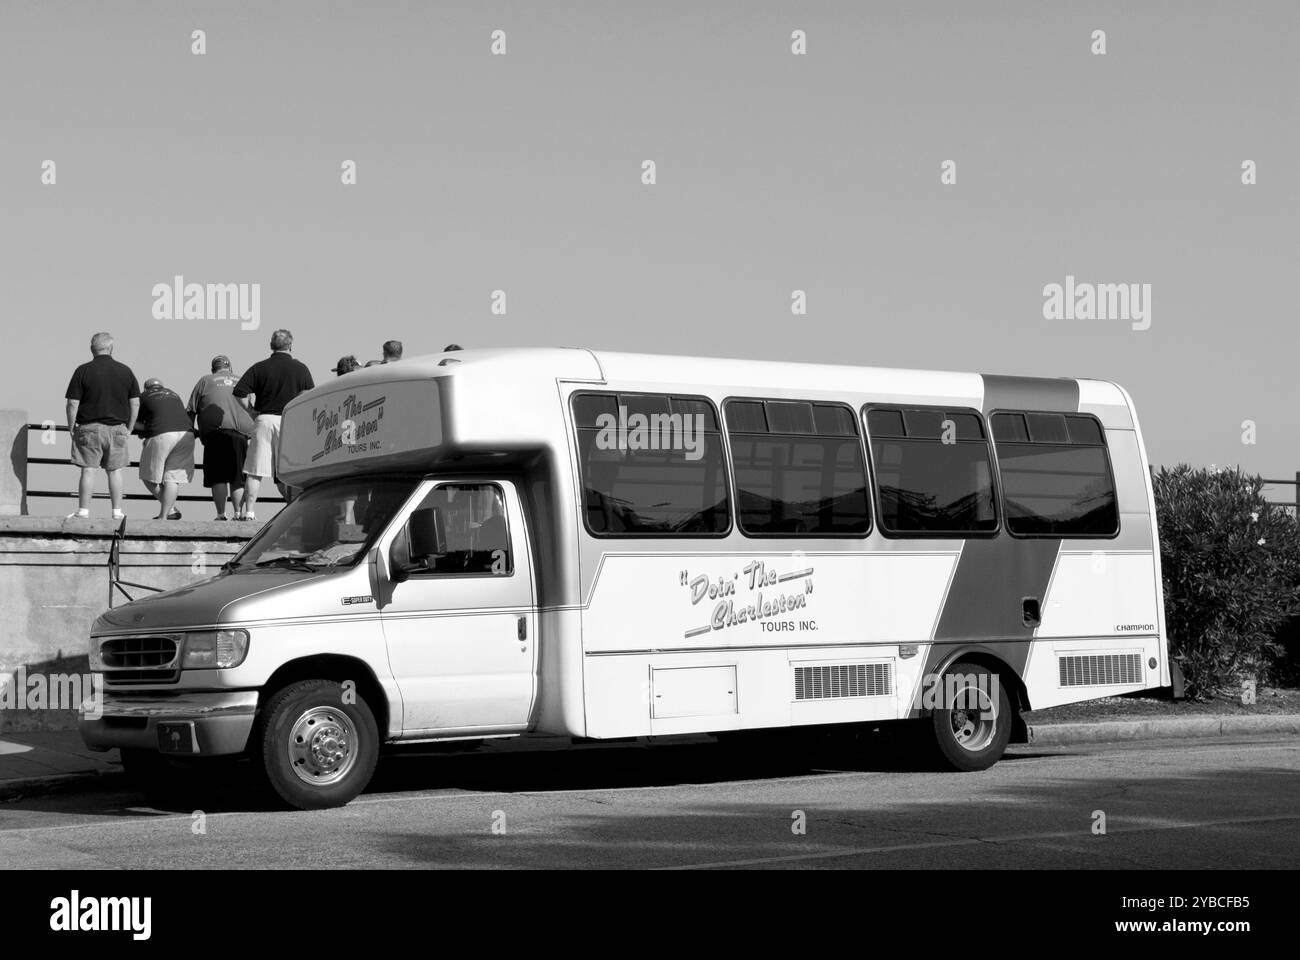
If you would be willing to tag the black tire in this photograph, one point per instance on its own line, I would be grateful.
(972, 732)
(314, 750)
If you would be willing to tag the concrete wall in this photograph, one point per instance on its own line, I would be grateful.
(54, 581)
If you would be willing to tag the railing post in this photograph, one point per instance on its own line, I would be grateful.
(13, 471)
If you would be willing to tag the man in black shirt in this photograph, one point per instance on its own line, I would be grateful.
(103, 403)
(168, 457)
(264, 389)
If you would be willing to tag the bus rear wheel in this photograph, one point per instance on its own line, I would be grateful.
(317, 750)
(972, 725)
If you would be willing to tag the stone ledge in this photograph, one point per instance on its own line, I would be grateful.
(96, 527)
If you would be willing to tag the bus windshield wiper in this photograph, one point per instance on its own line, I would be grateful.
(297, 562)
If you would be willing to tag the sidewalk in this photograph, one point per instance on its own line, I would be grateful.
(33, 763)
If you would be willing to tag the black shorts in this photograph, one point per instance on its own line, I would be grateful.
(223, 457)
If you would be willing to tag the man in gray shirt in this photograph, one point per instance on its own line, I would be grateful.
(224, 427)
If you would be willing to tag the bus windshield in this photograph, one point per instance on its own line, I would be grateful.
(331, 525)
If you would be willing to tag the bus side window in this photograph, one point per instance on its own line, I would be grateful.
(933, 472)
(652, 465)
(799, 469)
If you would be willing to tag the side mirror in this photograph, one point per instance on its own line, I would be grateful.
(427, 534)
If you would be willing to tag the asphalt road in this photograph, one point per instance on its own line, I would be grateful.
(1215, 804)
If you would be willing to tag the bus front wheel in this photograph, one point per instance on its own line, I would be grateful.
(318, 748)
(972, 723)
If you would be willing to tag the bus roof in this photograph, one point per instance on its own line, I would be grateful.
(579, 363)
(394, 414)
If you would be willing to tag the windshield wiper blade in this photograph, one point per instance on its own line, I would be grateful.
(299, 562)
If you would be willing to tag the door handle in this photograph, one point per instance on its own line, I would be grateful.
(1031, 613)
(522, 628)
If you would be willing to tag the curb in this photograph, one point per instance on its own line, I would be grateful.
(21, 787)
(1120, 731)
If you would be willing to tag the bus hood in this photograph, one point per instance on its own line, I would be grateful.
(230, 598)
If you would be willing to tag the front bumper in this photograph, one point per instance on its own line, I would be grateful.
(208, 723)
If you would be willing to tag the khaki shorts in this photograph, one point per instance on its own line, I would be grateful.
(101, 445)
(168, 458)
(264, 447)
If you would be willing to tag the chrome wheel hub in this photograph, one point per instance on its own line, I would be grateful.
(974, 719)
(322, 745)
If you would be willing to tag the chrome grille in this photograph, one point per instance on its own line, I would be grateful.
(140, 660)
(1100, 670)
(129, 652)
(837, 681)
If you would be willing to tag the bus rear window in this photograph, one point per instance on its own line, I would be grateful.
(651, 465)
(1056, 477)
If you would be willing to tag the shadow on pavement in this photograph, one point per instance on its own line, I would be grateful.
(220, 786)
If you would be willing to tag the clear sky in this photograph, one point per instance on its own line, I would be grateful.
(775, 172)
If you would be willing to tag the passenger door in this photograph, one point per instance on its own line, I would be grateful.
(461, 632)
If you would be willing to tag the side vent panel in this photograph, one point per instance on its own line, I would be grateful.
(1100, 670)
(841, 681)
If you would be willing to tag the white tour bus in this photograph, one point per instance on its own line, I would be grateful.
(498, 543)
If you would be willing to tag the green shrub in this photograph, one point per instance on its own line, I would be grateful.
(1231, 566)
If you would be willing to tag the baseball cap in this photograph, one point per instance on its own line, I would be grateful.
(152, 382)
(220, 362)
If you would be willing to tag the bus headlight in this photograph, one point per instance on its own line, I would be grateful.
(214, 649)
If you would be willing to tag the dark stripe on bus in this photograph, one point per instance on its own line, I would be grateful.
(993, 576)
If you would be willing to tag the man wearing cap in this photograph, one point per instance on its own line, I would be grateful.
(265, 388)
(346, 365)
(392, 351)
(224, 426)
(167, 460)
(103, 402)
